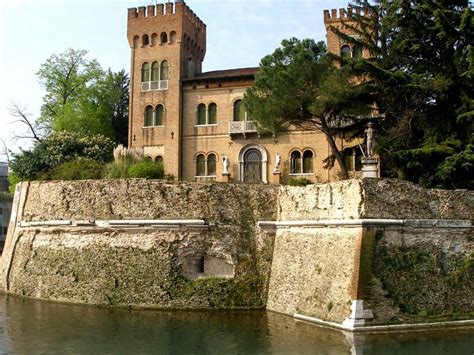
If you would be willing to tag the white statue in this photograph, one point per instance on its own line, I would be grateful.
(277, 162)
(226, 164)
(369, 132)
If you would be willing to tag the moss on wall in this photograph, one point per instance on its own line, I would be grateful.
(422, 276)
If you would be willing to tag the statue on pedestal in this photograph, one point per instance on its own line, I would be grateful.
(277, 163)
(369, 132)
(226, 165)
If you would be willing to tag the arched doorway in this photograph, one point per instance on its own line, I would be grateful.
(253, 159)
(252, 166)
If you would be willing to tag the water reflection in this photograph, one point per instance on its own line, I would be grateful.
(29, 326)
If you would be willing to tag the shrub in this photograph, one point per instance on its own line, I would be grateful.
(13, 179)
(57, 149)
(78, 169)
(117, 170)
(301, 181)
(147, 170)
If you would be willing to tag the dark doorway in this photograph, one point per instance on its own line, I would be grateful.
(252, 166)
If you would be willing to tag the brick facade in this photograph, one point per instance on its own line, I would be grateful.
(173, 33)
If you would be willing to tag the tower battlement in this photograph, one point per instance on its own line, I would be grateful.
(335, 15)
(167, 10)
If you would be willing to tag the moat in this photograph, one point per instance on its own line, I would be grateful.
(29, 326)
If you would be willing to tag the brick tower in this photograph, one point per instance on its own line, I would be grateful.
(341, 20)
(168, 44)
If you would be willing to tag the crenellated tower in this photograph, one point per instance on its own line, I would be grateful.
(168, 44)
(341, 20)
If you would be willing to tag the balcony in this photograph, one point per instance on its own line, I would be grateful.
(242, 127)
(154, 85)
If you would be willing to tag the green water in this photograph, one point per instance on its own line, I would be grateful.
(35, 327)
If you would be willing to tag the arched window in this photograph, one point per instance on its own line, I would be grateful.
(358, 159)
(147, 158)
(201, 165)
(211, 165)
(159, 160)
(348, 158)
(136, 41)
(155, 71)
(163, 37)
(201, 114)
(345, 51)
(159, 115)
(164, 70)
(295, 162)
(212, 113)
(148, 116)
(145, 40)
(172, 37)
(307, 161)
(357, 52)
(145, 72)
(239, 111)
(154, 39)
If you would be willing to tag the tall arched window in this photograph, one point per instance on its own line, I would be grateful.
(295, 162)
(148, 116)
(145, 72)
(211, 165)
(172, 37)
(164, 70)
(201, 114)
(358, 159)
(163, 37)
(154, 39)
(159, 115)
(357, 52)
(345, 51)
(239, 111)
(307, 161)
(200, 165)
(145, 40)
(155, 71)
(136, 41)
(348, 158)
(212, 113)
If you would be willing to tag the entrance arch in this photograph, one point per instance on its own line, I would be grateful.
(253, 161)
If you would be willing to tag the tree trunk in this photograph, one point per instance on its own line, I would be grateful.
(335, 151)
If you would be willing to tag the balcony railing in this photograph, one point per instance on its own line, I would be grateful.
(155, 85)
(242, 127)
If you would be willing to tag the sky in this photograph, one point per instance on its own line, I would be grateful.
(239, 34)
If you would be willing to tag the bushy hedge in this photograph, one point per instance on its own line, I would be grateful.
(78, 169)
(146, 170)
(300, 181)
(57, 149)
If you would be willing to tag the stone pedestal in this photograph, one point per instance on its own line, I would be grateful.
(225, 178)
(370, 168)
(277, 177)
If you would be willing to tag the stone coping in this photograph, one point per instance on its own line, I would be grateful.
(166, 223)
(418, 223)
(384, 328)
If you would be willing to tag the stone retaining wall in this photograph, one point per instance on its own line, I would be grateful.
(353, 253)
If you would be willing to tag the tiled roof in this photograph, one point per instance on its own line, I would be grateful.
(225, 74)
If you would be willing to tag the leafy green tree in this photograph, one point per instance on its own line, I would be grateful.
(299, 86)
(421, 76)
(81, 97)
(59, 148)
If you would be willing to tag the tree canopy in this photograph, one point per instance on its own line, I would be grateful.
(421, 76)
(82, 97)
(299, 86)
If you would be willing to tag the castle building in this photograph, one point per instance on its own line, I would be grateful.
(194, 121)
